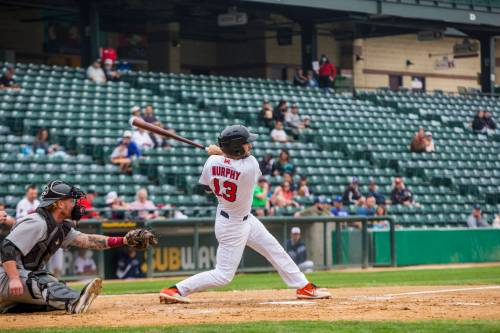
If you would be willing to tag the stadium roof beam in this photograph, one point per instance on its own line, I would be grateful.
(31, 4)
(450, 13)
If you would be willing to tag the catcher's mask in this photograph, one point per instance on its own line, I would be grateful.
(57, 190)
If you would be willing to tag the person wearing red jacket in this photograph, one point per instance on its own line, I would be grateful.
(108, 53)
(88, 202)
(327, 72)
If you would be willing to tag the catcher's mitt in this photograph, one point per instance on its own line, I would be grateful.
(141, 238)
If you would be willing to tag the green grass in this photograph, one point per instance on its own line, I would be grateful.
(300, 326)
(446, 276)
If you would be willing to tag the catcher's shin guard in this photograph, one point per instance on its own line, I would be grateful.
(42, 285)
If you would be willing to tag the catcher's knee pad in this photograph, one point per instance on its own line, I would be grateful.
(43, 285)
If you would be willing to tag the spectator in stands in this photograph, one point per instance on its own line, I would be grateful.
(401, 195)
(306, 121)
(312, 82)
(125, 152)
(117, 205)
(483, 123)
(128, 265)
(491, 126)
(287, 177)
(302, 188)
(142, 139)
(327, 73)
(368, 208)
(283, 196)
(7, 80)
(95, 72)
(380, 211)
(278, 134)
(266, 164)
(260, 202)
(145, 208)
(476, 219)
(296, 249)
(283, 164)
(338, 207)
(84, 264)
(373, 191)
(352, 193)
(418, 143)
(41, 145)
(88, 203)
(150, 117)
(29, 203)
(429, 143)
(298, 78)
(110, 72)
(266, 114)
(293, 121)
(108, 54)
(478, 123)
(280, 111)
(5, 219)
(320, 208)
(136, 111)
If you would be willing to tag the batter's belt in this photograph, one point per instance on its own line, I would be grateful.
(226, 215)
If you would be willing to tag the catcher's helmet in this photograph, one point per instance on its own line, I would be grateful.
(57, 190)
(232, 139)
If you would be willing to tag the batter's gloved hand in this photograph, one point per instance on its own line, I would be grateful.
(214, 150)
(141, 238)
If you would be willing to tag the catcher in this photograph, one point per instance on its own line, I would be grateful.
(25, 286)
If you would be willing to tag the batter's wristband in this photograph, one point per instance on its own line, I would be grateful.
(115, 241)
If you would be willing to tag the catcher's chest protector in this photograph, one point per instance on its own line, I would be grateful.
(43, 250)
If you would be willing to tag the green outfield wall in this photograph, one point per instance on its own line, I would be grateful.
(437, 246)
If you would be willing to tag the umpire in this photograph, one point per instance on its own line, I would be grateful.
(25, 285)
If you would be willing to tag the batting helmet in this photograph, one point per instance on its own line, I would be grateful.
(232, 139)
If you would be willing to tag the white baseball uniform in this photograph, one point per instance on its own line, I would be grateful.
(233, 181)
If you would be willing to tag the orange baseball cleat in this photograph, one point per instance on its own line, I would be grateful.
(172, 295)
(311, 291)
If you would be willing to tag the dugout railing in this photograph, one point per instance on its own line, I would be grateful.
(192, 227)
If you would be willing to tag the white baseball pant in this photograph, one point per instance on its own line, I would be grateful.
(233, 236)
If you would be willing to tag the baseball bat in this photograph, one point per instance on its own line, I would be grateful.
(137, 122)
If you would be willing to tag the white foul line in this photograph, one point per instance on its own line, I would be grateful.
(442, 291)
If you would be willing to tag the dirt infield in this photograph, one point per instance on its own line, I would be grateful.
(384, 303)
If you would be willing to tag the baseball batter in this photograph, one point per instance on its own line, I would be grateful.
(231, 174)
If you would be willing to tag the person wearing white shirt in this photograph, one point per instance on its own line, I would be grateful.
(29, 203)
(278, 134)
(146, 208)
(292, 118)
(430, 148)
(95, 72)
(142, 139)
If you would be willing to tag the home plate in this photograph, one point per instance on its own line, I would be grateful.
(290, 303)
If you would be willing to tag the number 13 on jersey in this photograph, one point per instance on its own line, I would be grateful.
(229, 189)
